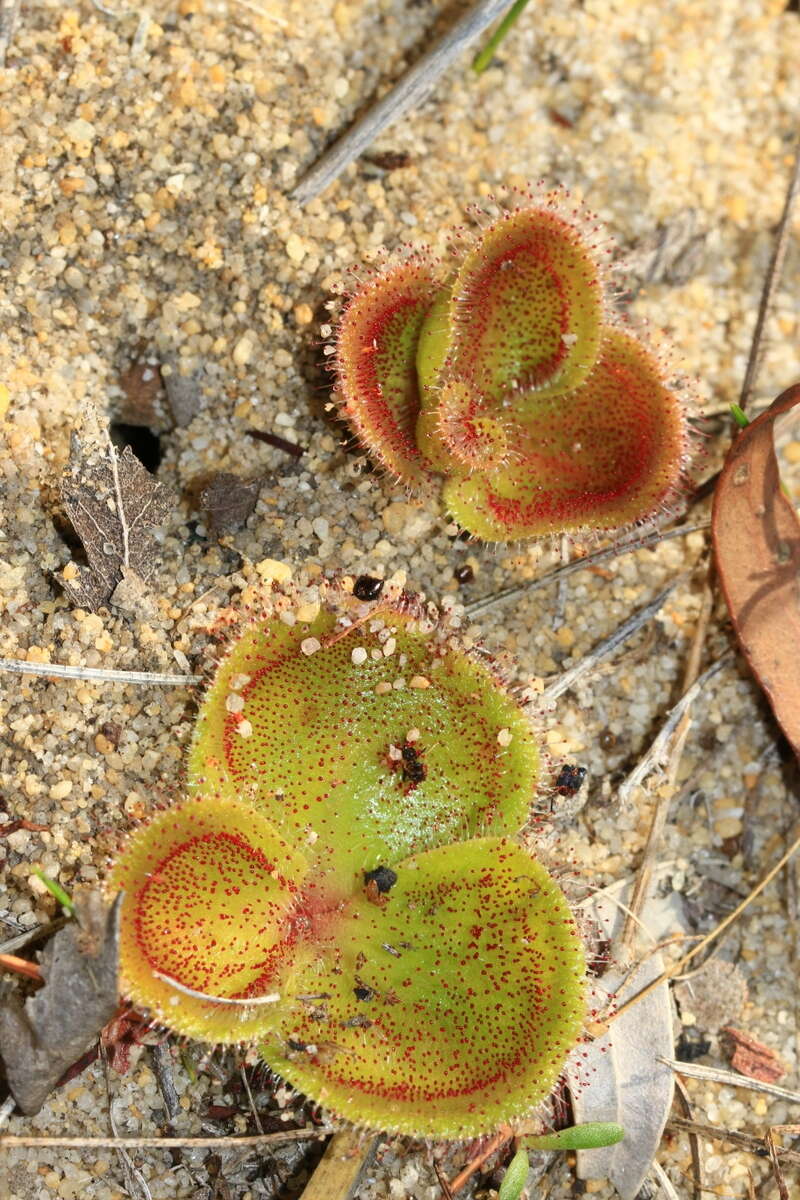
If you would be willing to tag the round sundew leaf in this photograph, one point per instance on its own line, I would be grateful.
(524, 312)
(375, 365)
(602, 456)
(449, 1009)
(210, 906)
(326, 753)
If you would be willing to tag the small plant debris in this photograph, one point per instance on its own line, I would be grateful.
(42, 1037)
(114, 505)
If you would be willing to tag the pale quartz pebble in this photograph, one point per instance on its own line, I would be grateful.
(358, 656)
(394, 754)
(419, 681)
(288, 617)
(382, 688)
(271, 568)
(234, 703)
(307, 613)
(244, 729)
(237, 682)
(413, 735)
(399, 684)
(389, 647)
(504, 737)
(60, 791)
(310, 645)
(375, 655)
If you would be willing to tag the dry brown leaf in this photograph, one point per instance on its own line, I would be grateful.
(757, 543)
(114, 505)
(228, 501)
(42, 1038)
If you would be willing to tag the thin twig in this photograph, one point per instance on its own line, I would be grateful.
(58, 671)
(11, 1141)
(20, 966)
(747, 1141)
(621, 634)
(134, 1179)
(730, 1079)
(772, 1146)
(250, 1100)
(409, 91)
(664, 1181)
(771, 281)
(162, 1065)
(499, 1140)
(599, 1027)
(32, 935)
(694, 1141)
(617, 550)
(658, 747)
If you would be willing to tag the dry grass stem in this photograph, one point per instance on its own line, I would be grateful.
(617, 550)
(10, 1141)
(694, 1141)
(409, 91)
(747, 1141)
(730, 1079)
(621, 634)
(771, 280)
(599, 1027)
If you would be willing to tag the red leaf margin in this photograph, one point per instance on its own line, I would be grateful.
(756, 535)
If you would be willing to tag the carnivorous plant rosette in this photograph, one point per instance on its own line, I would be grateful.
(506, 382)
(345, 884)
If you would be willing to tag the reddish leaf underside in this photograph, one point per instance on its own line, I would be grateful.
(376, 349)
(597, 457)
(757, 543)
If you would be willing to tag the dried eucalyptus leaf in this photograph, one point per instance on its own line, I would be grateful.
(621, 1078)
(44, 1036)
(114, 505)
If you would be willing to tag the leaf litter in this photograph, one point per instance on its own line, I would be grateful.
(43, 1036)
(757, 544)
(115, 506)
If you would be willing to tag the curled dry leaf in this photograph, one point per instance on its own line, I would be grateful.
(757, 543)
(42, 1038)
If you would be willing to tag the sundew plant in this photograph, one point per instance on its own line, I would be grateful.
(345, 886)
(502, 379)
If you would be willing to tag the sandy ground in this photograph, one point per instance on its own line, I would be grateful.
(145, 161)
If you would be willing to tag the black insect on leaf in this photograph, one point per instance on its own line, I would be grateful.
(114, 505)
(42, 1037)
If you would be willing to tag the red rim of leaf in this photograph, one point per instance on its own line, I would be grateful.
(756, 537)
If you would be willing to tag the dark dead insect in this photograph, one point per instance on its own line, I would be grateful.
(362, 992)
(390, 950)
(413, 768)
(464, 574)
(384, 878)
(569, 779)
(367, 587)
(357, 1022)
